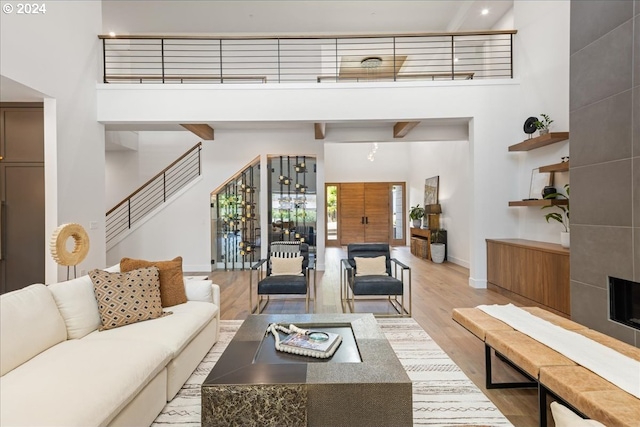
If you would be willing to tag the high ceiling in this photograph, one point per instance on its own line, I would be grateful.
(298, 16)
(285, 17)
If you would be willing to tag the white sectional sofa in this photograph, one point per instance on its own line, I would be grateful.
(57, 369)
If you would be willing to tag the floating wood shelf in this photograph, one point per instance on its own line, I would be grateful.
(558, 167)
(540, 141)
(540, 202)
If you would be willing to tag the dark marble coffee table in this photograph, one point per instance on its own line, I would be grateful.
(363, 384)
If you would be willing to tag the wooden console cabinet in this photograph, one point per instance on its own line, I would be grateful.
(421, 242)
(538, 271)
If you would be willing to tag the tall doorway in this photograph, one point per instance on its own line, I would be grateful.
(365, 212)
(22, 230)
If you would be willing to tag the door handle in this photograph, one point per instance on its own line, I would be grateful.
(366, 220)
(361, 220)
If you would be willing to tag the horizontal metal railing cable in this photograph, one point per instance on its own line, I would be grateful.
(291, 59)
(153, 193)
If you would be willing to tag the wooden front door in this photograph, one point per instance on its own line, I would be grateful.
(364, 212)
(351, 211)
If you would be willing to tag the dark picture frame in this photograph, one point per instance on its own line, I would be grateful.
(431, 190)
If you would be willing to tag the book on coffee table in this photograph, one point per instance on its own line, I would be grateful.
(313, 343)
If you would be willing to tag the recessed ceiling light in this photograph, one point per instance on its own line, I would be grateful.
(371, 62)
(112, 34)
(485, 11)
(455, 59)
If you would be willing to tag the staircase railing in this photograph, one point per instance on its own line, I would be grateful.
(313, 59)
(153, 193)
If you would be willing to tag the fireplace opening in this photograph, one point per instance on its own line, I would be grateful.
(624, 302)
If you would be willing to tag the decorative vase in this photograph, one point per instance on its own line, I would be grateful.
(437, 252)
(543, 131)
(548, 190)
(417, 223)
(564, 239)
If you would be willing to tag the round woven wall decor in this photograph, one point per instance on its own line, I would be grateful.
(58, 244)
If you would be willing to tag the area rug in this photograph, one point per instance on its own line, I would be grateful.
(442, 394)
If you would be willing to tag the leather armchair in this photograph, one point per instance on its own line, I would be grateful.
(395, 286)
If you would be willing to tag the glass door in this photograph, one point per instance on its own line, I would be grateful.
(398, 215)
(331, 210)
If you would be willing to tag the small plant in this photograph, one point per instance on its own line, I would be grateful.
(544, 123)
(563, 216)
(416, 212)
(435, 236)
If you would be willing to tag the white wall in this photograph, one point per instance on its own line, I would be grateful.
(126, 170)
(450, 161)
(542, 63)
(347, 162)
(184, 227)
(58, 54)
(492, 105)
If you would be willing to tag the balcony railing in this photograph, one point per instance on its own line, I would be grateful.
(314, 59)
(153, 193)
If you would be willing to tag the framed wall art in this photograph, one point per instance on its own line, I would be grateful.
(539, 180)
(431, 187)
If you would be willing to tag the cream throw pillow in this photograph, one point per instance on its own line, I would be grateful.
(286, 266)
(565, 417)
(367, 266)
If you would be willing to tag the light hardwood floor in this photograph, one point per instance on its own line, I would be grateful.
(437, 290)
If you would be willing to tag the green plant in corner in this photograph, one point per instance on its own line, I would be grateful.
(544, 123)
(563, 216)
(416, 212)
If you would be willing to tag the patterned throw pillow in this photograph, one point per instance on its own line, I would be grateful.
(126, 298)
(171, 278)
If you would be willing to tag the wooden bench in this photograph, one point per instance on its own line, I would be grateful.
(552, 373)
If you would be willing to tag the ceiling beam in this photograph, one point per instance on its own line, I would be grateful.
(401, 129)
(202, 130)
(320, 130)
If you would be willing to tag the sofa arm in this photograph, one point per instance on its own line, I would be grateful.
(215, 294)
(198, 290)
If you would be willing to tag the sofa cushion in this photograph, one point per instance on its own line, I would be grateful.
(87, 382)
(77, 303)
(565, 417)
(30, 323)
(173, 332)
(126, 298)
(171, 282)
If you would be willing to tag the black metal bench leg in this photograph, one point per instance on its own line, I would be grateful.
(542, 405)
(489, 384)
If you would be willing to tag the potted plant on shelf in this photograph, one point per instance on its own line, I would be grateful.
(544, 124)
(562, 217)
(438, 248)
(416, 214)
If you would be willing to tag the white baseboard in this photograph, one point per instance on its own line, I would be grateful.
(477, 284)
(458, 261)
(197, 269)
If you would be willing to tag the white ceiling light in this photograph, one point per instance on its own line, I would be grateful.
(485, 11)
(371, 62)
